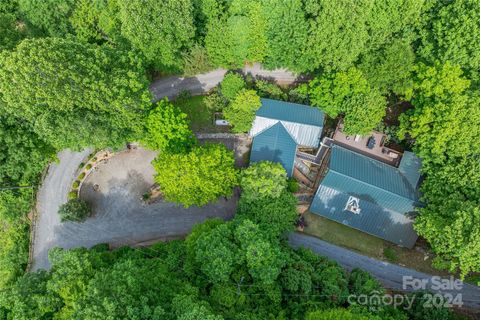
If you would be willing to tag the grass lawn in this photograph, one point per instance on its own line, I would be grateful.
(368, 245)
(201, 119)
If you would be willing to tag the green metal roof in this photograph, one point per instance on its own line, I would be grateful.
(275, 144)
(410, 166)
(386, 197)
(292, 112)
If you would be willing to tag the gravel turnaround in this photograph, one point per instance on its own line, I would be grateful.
(120, 216)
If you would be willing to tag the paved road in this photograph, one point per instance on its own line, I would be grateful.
(172, 86)
(390, 275)
(52, 193)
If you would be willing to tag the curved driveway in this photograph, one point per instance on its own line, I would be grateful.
(50, 232)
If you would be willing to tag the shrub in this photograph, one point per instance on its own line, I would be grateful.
(231, 85)
(270, 90)
(81, 165)
(81, 176)
(74, 210)
(215, 101)
(72, 195)
(89, 166)
(196, 61)
(292, 185)
(76, 184)
(390, 254)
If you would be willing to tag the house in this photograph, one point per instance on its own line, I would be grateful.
(280, 128)
(370, 195)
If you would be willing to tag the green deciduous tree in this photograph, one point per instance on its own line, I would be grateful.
(10, 32)
(452, 34)
(339, 314)
(160, 30)
(337, 32)
(130, 289)
(231, 85)
(446, 120)
(24, 154)
(74, 95)
(263, 179)
(50, 16)
(216, 254)
(286, 31)
(240, 113)
(237, 35)
(197, 177)
(167, 128)
(450, 219)
(74, 210)
(348, 93)
(390, 69)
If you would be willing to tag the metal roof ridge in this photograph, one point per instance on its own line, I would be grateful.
(379, 162)
(374, 186)
(266, 128)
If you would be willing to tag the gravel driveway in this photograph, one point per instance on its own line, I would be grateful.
(120, 217)
(126, 220)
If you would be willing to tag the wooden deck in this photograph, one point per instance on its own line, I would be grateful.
(359, 144)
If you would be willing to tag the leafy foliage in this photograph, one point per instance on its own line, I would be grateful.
(74, 210)
(196, 61)
(167, 128)
(231, 85)
(240, 113)
(443, 109)
(197, 177)
(160, 30)
(10, 33)
(263, 179)
(50, 16)
(450, 220)
(73, 94)
(452, 35)
(349, 93)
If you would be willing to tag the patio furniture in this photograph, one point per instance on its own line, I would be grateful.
(371, 142)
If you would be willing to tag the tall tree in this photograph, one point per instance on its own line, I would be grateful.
(446, 119)
(160, 30)
(240, 113)
(286, 32)
(197, 177)
(73, 94)
(452, 34)
(338, 33)
(49, 16)
(263, 179)
(167, 128)
(349, 93)
(449, 221)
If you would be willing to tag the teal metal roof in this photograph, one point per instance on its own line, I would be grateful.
(410, 166)
(292, 112)
(275, 144)
(386, 197)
